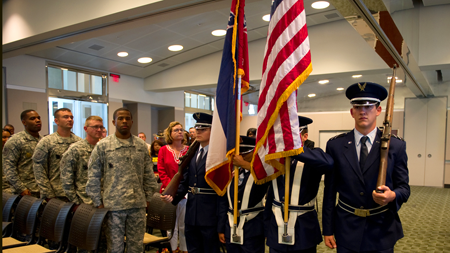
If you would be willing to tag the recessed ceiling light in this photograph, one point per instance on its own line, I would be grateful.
(324, 81)
(145, 60)
(122, 54)
(356, 76)
(175, 48)
(320, 4)
(311, 95)
(399, 81)
(266, 17)
(340, 88)
(219, 32)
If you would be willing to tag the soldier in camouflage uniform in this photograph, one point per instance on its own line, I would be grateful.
(123, 162)
(17, 153)
(48, 153)
(74, 162)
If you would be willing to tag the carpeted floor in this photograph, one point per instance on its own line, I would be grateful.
(425, 218)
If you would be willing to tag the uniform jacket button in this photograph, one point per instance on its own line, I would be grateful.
(362, 207)
(195, 184)
(361, 193)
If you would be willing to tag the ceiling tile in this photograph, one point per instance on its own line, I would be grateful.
(75, 57)
(124, 37)
(187, 44)
(85, 47)
(50, 53)
(194, 53)
(200, 23)
(102, 64)
(154, 40)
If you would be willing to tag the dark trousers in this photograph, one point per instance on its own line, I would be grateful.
(345, 250)
(310, 250)
(202, 239)
(254, 244)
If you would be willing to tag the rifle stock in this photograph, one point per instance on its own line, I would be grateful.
(172, 187)
(386, 136)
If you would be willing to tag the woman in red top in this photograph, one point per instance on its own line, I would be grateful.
(168, 159)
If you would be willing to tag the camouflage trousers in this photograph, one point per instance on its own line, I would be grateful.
(129, 223)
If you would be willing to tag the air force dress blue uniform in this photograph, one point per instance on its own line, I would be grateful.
(251, 215)
(358, 223)
(202, 202)
(304, 184)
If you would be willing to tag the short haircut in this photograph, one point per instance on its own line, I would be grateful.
(6, 130)
(304, 131)
(23, 115)
(168, 131)
(61, 110)
(251, 131)
(152, 147)
(143, 134)
(121, 109)
(192, 128)
(96, 118)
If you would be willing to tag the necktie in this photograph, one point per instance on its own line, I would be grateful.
(364, 152)
(199, 157)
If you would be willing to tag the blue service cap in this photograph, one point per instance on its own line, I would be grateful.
(204, 120)
(366, 93)
(247, 144)
(303, 122)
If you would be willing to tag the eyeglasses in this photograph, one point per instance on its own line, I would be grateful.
(98, 127)
(177, 130)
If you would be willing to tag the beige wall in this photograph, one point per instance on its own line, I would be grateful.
(20, 100)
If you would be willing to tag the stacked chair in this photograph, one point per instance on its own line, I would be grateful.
(25, 221)
(60, 228)
(9, 204)
(162, 216)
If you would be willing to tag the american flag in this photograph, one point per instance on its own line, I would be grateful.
(286, 65)
(223, 131)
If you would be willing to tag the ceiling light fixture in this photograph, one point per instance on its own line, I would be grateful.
(320, 5)
(324, 81)
(356, 76)
(311, 95)
(266, 17)
(122, 54)
(399, 81)
(219, 32)
(340, 88)
(145, 60)
(175, 48)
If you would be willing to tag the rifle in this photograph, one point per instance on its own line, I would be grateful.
(172, 187)
(386, 136)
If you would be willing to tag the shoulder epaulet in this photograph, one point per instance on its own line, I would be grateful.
(337, 136)
(398, 137)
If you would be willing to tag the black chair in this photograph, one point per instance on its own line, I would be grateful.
(24, 225)
(85, 228)
(162, 216)
(9, 204)
(52, 230)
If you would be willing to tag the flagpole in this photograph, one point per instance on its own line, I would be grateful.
(236, 168)
(287, 167)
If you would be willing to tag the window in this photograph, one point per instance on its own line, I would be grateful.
(199, 101)
(82, 91)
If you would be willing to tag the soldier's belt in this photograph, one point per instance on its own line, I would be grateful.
(197, 190)
(294, 208)
(248, 210)
(362, 212)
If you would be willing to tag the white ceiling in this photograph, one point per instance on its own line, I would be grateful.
(194, 33)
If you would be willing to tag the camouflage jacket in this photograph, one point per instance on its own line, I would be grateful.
(46, 160)
(17, 162)
(127, 173)
(74, 165)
